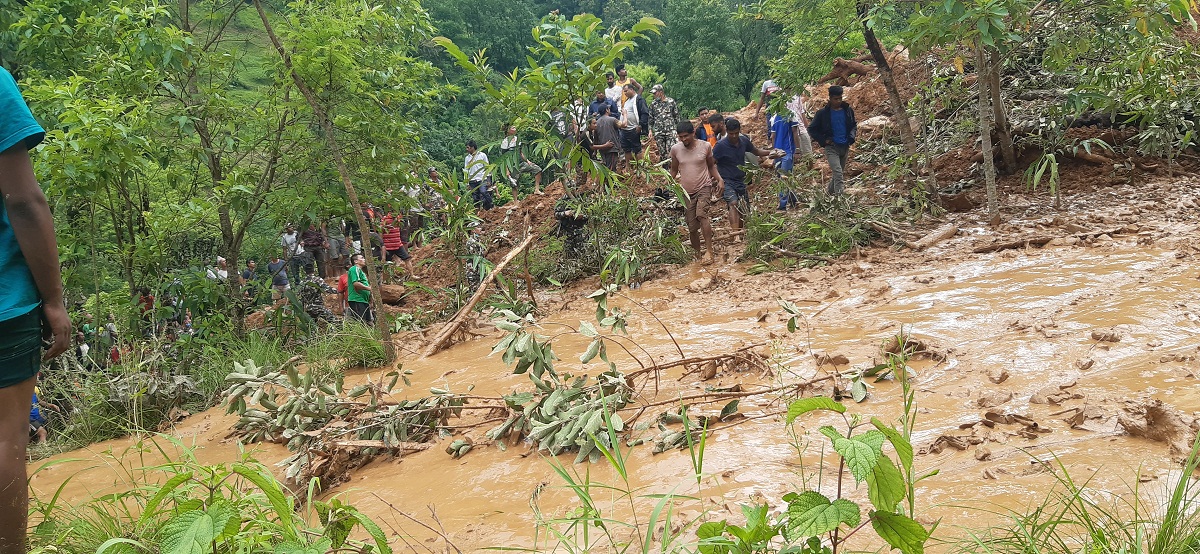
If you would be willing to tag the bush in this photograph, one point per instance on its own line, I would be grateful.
(185, 506)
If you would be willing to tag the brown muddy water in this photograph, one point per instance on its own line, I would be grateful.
(1029, 315)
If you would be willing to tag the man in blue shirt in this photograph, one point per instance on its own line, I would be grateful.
(730, 154)
(31, 302)
(834, 128)
(602, 105)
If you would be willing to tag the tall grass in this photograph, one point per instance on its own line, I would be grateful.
(1076, 518)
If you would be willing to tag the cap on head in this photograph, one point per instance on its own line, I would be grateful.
(656, 88)
(835, 90)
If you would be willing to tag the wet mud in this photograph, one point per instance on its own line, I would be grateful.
(1081, 354)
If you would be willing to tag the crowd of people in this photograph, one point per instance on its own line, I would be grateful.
(706, 157)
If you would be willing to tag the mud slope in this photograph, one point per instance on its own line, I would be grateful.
(1079, 336)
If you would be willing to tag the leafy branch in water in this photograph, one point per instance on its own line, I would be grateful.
(315, 418)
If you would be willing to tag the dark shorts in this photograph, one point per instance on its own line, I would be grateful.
(20, 347)
(360, 311)
(401, 253)
(735, 191)
(631, 141)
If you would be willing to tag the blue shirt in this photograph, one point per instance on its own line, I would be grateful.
(18, 295)
(35, 415)
(729, 158)
(782, 127)
(837, 123)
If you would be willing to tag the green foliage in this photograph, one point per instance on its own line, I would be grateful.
(185, 507)
(1076, 517)
(826, 230)
(567, 61)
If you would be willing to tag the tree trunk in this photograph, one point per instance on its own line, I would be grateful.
(985, 131)
(1003, 129)
(230, 250)
(899, 111)
(344, 172)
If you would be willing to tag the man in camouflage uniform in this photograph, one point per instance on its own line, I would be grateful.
(475, 252)
(571, 225)
(664, 117)
(311, 293)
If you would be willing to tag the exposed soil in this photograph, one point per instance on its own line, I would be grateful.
(1072, 337)
(1082, 349)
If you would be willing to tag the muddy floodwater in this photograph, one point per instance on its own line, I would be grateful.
(1016, 327)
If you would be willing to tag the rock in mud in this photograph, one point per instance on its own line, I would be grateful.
(997, 375)
(991, 399)
(983, 453)
(1054, 394)
(1063, 241)
(1160, 422)
(1106, 335)
(832, 359)
(700, 285)
(1176, 357)
(709, 370)
(1085, 364)
(391, 294)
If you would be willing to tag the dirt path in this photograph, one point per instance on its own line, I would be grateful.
(1018, 327)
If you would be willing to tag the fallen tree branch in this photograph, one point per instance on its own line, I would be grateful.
(937, 235)
(697, 360)
(1040, 240)
(442, 339)
(402, 446)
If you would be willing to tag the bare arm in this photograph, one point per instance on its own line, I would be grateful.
(34, 227)
(674, 167)
(712, 171)
(759, 151)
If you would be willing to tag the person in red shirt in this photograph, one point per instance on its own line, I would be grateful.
(146, 302)
(343, 287)
(394, 248)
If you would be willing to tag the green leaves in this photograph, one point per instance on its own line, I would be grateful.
(860, 452)
(885, 485)
(805, 405)
(901, 532)
(810, 514)
(195, 532)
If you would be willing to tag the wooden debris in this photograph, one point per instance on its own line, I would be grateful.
(442, 339)
(937, 235)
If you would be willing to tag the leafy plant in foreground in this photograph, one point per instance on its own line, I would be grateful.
(198, 509)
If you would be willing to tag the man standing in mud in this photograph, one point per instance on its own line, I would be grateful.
(730, 155)
(693, 166)
(631, 129)
(664, 118)
(32, 313)
(475, 167)
(358, 293)
(834, 128)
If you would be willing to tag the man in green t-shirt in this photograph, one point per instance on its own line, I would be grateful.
(358, 295)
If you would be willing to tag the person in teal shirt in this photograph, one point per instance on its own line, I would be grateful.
(32, 312)
(358, 293)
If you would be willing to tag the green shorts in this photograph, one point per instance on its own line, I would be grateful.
(20, 347)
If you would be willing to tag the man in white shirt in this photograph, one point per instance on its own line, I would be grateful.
(613, 90)
(475, 168)
(630, 125)
(511, 148)
(290, 242)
